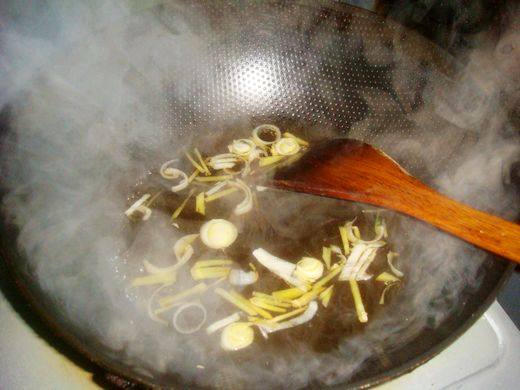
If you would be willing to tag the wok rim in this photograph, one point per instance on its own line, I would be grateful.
(448, 341)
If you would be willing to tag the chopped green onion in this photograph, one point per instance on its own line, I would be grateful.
(264, 161)
(307, 297)
(245, 307)
(326, 255)
(285, 316)
(140, 206)
(335, 270)
(220, 194)
(380, 226)
(213, 178)
(344, 239)
(166, 277)
(390, 257)
(195, 173)
(265, 304)
(326, 295)
(213, 263)
(290, 293)
(194, 163)
(358, 302)
(307, 315)
(179, 209)
(247, 204)
(200, 206)
(202, 163)
(167, 302)
(383, 294)
(271, 299)
(299, 140)
(223, 323)
(200, 273)
(387, 278)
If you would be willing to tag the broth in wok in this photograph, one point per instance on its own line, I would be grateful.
(280, 280)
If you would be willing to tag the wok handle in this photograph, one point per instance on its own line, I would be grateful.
(481, 229)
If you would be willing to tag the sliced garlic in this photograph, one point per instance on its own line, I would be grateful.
(236, 336)
(308, 269)
(218, 233)
(286, 147)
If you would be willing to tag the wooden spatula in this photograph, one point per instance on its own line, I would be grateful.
(353, 170)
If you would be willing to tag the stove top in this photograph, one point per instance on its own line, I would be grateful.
(486, 356)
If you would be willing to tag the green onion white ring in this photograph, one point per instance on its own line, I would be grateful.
(308, 269)
(236, 336)
(151, 314)
(218, 233)
(193, 328)
(266, 128)
(285, 147)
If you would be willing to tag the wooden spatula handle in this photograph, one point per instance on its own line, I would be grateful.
(353, 170)
(481, 229)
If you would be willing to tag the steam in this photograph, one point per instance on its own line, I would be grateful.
(96, 104)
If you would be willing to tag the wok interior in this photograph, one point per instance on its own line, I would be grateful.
(132, 96)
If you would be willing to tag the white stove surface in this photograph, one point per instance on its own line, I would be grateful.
(487, 356)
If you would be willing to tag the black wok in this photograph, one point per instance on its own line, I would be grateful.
(323, 67)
